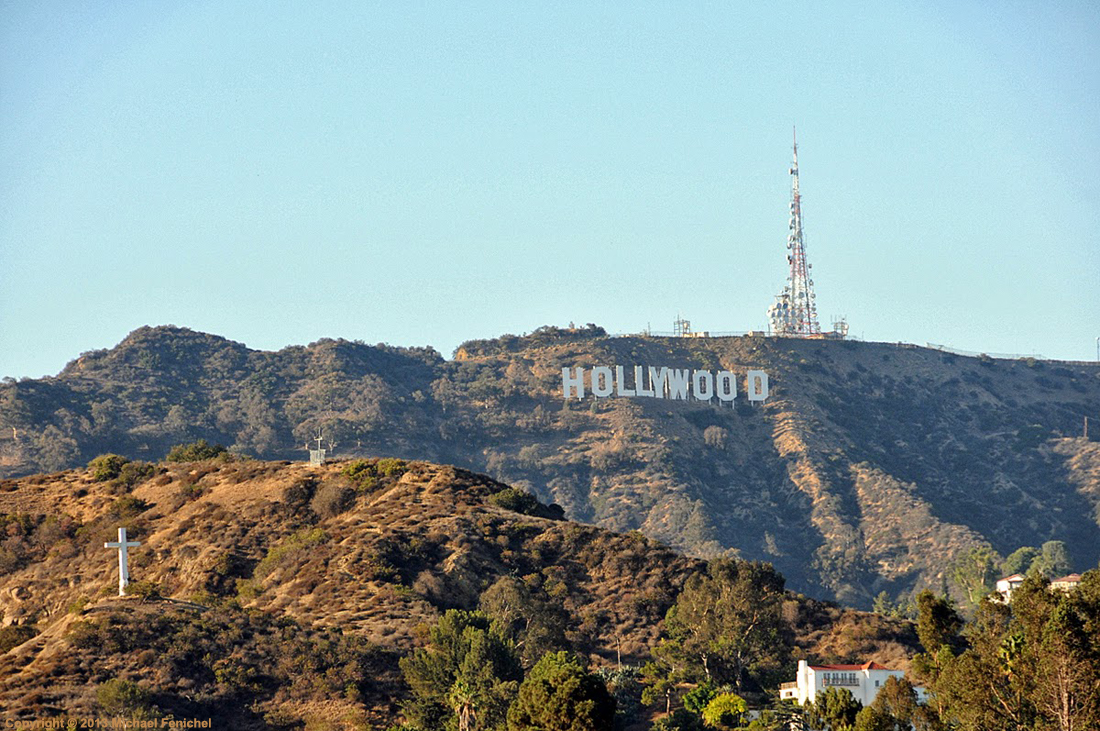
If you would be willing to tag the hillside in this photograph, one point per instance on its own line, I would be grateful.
(871, 467)
(290, 591)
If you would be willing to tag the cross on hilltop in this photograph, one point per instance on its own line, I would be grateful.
(123, 568)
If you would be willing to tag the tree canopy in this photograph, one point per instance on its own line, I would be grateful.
(559, 694)
(466, 677)
(1032, 665)
(726, 626)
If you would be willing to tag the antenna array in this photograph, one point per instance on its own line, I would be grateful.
(795, 309)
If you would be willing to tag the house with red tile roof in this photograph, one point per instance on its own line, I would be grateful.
(1007, 585)
(1066, 583)
(862, 681)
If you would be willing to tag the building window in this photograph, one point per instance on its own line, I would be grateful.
(842, 679)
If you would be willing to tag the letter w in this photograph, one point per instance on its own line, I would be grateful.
(678, 383)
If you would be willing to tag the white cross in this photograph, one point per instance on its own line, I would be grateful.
(123, 568)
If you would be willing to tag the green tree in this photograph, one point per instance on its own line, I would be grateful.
(724, 711)
(107, 466)
(466, 676)
(698, 697)
(624, 686)
(195, 451)
(976, 571)
(559, 694)
(679, 720)
(783, 717)
(984, 689)
(1053, 560)
(896, 703)
(883, 604)
(834, 709)
(1034, 666)
(1060, 650)
(872, 719)
(660, 680)
(1019, 561)
(1067, 686)
(726, 625)
(463, 699)
(938, 623)
(480, 696)
(529, 617)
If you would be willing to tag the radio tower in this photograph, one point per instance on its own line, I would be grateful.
(795, 310)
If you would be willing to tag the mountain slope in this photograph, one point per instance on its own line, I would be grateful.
(871, 466)
(292, 590)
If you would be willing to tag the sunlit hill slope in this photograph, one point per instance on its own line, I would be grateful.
(871, 466)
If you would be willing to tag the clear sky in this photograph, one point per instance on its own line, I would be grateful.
(426, 173)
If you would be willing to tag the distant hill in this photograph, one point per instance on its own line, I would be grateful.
(872, 467)
(346, 568)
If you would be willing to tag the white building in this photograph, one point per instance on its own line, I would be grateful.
(1007, 585)
(862, 681)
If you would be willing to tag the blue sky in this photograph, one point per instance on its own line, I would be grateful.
(426, 173)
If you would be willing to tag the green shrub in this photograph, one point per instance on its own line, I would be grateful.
(144, 589)
(293, 544)
(366, 474)
(376, 568)
(195, 451)
(132, 473)
(191, 491)
(247, 589)
(332, 499)
(107, 466)
(13, 635)
(129, 506)
(521, 501)
(392, 467)
(724, 711)
(362, 473)
(298, 495)
(235, 676)
(83, 634)
(123, 697)
(697, 699)
(356, 469)
(9, 560)
(679, 720)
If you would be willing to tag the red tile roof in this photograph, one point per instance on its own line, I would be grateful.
(864, 666)
(1014, 577)
(1071, 578)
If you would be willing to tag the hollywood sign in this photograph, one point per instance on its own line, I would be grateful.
(667, 383)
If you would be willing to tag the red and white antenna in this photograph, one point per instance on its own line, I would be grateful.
(795, 309)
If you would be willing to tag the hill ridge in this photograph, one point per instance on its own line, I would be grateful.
(352, 555)
(801, 480)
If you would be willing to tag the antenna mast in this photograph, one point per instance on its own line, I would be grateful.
(795, 310)
(803, 301)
